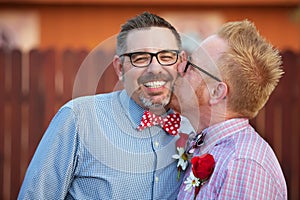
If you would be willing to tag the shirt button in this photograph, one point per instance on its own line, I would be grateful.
(156, 144)
(156, 179)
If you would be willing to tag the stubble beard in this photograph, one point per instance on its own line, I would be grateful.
(148, 103)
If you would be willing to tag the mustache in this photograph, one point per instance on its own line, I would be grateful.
(154, 77)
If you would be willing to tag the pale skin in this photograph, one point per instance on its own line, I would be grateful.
(202, 99)
(152, 84)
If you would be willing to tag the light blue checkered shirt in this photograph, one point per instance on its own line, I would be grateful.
(92, 150)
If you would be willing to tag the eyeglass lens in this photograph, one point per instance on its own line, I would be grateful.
(143, 59)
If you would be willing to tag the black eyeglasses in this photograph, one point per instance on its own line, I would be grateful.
(144, 59)
(200, 69)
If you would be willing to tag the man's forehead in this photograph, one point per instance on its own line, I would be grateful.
(212, 47)
(151, 38)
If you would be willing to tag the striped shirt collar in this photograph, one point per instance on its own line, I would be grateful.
(216, 133)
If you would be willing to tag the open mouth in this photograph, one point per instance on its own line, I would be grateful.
(155, 84)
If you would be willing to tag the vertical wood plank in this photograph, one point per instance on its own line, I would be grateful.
(99, 60)
(36, 100)
(295, 132)
(84, 76)
(295, 193)
(58, 78)
(288, 95)
(269, 121)
(2, 118)
(16, 98)
(48, 75)
(7, 126)
(108, 80)
(69, 69)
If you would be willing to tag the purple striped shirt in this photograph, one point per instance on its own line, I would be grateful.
(246, 166)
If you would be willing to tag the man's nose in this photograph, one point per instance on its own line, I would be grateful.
(154, 66)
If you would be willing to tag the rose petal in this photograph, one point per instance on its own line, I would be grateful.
(203, 166)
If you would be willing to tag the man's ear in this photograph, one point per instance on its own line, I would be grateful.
(181, 67)
(182, 56)
(182, 64)
(218, 93)
(118, 66)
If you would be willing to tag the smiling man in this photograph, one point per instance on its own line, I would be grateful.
(109, 146)
(148, 67)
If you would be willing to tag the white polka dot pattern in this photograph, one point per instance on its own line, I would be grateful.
(170, 123)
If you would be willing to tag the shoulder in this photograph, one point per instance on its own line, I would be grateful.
(94, 101)
(250, 145)
(244, 159)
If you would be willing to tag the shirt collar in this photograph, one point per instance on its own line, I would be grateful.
(214, 134)
(131, 108)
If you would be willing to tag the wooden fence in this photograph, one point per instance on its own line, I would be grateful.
(34, 85)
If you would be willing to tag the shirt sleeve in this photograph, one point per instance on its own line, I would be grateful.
(247, 179)
(51, 169)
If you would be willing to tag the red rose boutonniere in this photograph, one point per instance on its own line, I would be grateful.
(202, 168)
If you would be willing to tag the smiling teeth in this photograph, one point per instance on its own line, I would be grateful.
(155, 84)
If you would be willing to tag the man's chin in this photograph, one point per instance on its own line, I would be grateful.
(155, 102)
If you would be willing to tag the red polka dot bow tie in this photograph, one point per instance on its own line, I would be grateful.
(170, 123)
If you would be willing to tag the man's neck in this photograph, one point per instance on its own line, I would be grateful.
(158, 111)
(205, 117)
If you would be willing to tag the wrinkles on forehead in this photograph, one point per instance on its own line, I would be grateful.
(151, 39)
